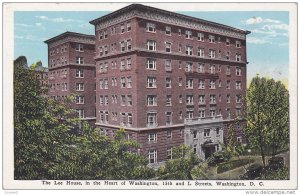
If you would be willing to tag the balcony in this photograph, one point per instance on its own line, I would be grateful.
(198, 120)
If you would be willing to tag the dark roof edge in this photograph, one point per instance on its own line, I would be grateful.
(68, 33)
(132, 6)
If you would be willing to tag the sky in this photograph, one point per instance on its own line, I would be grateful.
(267, 45)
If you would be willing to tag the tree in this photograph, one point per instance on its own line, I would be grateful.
(267, 115)
(50, 142)
(181, 166)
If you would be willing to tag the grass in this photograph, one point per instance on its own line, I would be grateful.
(223, 167)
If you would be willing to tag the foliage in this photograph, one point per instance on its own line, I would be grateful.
(223, 167)
(181, 167)
(267, 116)
(219, 157)
(52, 143)
(200, 172)
(279, 174)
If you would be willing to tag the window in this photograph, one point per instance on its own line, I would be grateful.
(128, 43)
(168, 82)
(151, 100)
(123, 82)
(80, 113)
(189, 100)
(129, 119)
(188, 34)
(150, 27)
(189, 67)
(169, 122)
(238, 85)
(105, 82)
(189, 50)
(151, 64)
(212, 99)
(128, 25)
(129, 81)
(200, 68)
(227, 55)
(79, 73)
(122, 28)
(201, 99)
(238, 112)
(106, 100)
(128, 65)
(180, 48)
(189, 114)
(212, 84)
(180, 99)
(201, 84)
(123, 100)
(228, 98)
(64, 87)
(228, 84)
(168, 47)
(179, 32)
(152, 137)
(169, 100)
(195, 134)
(217, 131)
(238, 98)
(113, 30)
(179, 81)
(238, 57)
(105, 50)
(200, 37)
(228, 71)
(79, 47)
(212, 69)
(79, 99)
(238, 71)
(123, 118)
(201, 113)
(79, 60)
(220, 83)
(101, 100)
(211, 38)
(105, 34)
(169, 153)
(180, 115)
(238, 43)
(211, 53)
(151, 45)
(168, 30)
(206, 132)
(129, 100)
(79, 86)
(212, 112)
(227, 41)
(152, 156)
(151, 82)
(123, 48)
(228, 112)
(101, 35)
(189, 83)
(200, 52)
(151, 119)
(168, 66)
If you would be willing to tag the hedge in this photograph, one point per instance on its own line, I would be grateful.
(223, 167)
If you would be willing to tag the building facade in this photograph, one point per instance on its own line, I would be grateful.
(72, 71)
(168, 79)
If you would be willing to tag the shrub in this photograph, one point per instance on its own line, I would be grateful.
(233, 164)
(219, 157)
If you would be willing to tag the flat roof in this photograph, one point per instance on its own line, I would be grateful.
(68, 33)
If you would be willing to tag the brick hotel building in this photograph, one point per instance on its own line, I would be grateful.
(72, 71)
(166, 78)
